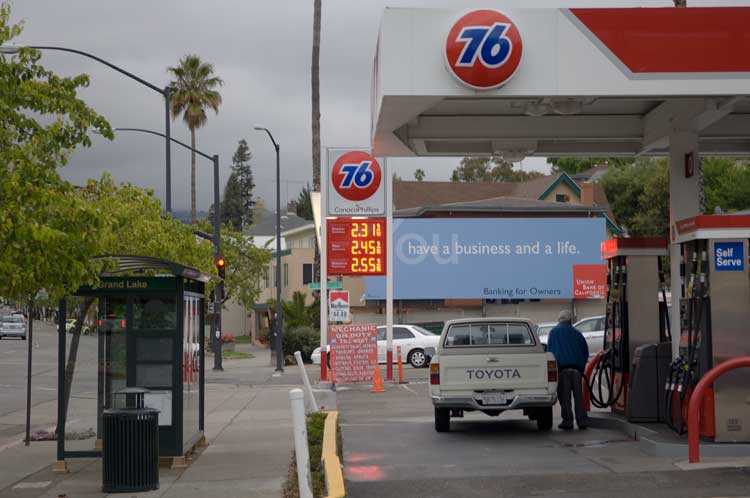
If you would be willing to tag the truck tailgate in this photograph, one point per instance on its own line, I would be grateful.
(501, 371)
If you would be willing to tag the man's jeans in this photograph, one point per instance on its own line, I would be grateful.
(570, 380)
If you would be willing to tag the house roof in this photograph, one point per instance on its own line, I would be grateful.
(502, 205)
(266, 225)
(413, 198)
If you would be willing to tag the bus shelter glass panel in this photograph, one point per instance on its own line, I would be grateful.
(190, 367)
(153, 331)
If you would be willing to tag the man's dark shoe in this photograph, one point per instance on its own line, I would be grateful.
(565, 427)
(583, 427)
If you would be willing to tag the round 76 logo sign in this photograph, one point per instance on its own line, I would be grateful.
(483, 49)
(357, 181)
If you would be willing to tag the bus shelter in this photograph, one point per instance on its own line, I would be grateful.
(149, 327)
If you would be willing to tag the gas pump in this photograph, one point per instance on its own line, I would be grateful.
(636, 319)
(714, 321)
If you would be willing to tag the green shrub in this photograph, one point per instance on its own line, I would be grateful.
(302, 339)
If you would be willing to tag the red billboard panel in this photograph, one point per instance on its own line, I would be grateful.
(589, 281)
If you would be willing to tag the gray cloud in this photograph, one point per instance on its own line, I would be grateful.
(261, 50)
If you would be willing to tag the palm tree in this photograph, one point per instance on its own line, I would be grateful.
(194, 91)
(315, 84)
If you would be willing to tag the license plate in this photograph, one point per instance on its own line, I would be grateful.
(494, 398)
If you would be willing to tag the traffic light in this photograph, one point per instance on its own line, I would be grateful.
(220, 265)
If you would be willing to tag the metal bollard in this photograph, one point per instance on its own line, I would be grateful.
(400, 366)
(302, 454)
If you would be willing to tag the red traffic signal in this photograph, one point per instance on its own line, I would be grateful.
(220, 265)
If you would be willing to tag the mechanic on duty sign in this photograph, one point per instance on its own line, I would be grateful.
(354, 352)
(729, 256)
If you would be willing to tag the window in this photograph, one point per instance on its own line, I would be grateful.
(307, 273)
(402, 333)
(381, 334)
(587, 325)
(286, 274)
(561, 198)
(489, 334)
(265, 278)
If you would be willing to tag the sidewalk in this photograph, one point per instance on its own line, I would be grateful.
(248, 427)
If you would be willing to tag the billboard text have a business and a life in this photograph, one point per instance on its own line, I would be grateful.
(495, 258)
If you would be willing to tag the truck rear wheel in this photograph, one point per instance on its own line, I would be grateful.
(544, 419)
(442, 420)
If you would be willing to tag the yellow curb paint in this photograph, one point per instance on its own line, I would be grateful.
(330, 458)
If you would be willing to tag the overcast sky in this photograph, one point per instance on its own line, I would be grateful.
(262, 50)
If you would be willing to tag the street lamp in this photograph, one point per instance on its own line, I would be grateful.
(279, 330)
(165, 92)
(216, 239)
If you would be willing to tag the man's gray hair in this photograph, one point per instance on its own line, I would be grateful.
(565, 316)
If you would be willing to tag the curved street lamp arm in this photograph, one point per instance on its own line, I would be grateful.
(155, 88)
(210, 158)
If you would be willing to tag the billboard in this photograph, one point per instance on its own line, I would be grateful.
(494, 258)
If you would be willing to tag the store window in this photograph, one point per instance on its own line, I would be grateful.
(307, 273)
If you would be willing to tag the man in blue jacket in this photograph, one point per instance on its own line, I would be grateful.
(571, 352)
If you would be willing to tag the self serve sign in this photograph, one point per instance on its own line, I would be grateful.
(729, 256)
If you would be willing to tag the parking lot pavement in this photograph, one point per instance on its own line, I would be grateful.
(391, 448)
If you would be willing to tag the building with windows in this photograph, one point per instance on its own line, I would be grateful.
(297, 259)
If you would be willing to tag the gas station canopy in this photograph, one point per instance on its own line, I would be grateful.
(614, 82)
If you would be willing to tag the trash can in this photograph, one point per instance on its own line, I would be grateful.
(130, 456)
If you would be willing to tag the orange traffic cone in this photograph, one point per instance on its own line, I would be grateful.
(377, 381)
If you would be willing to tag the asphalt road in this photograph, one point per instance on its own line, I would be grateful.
(13, 368)
(391, 449)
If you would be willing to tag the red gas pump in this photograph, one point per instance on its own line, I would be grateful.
(636, 338)
(714, 321)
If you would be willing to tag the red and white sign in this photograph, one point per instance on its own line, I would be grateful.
(356, 186)
(338, 306)
(354, 352)
(483, 49)
(589, 281)
(356, 247)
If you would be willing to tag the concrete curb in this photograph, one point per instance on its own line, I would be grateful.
(334, 475)
(648, 440)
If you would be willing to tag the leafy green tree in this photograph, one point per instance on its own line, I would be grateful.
(419, 174)
(297, 313)
(303, 204)
(637, 196)
(244, 173)
(47, 234)
(231, 204)
(490, 169)
(194, 91)
(575, 165)
(727, 184)
(245, 265)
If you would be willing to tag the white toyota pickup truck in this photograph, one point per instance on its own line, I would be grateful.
(492, 365)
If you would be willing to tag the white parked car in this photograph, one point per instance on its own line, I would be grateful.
(543, 330)
(492, 365)
(413, 340)
(592, 329)
(13, 326)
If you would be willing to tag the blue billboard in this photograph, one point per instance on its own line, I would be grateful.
(491, 258)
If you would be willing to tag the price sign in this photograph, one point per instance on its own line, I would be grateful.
(356, 246)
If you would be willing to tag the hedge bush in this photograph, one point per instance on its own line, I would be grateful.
(302, 339)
